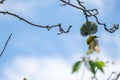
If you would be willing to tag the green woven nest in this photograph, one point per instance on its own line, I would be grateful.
(88, 28)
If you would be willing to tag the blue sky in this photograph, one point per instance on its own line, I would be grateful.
(39, 54)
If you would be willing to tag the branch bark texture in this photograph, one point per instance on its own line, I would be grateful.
(89, 13)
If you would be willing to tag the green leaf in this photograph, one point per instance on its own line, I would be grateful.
(76, 66)
(92, 66)
(100, 65)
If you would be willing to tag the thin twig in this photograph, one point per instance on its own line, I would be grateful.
(94, 78)
(111, 75)
(36, 25)
(5, 45)
(117, 76)
(91, 13)
(85, 13)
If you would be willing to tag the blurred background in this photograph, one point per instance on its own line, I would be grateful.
(38, 54)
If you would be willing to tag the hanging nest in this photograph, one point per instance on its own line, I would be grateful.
(88, 28)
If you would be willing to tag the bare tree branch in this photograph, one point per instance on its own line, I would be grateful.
(118, 76)
(111, 75)
(5, 45)
(90, 13)
(36, 25)
(2, 1)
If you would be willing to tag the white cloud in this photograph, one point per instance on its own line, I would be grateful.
(38, 69)
(46, 68)
(55, 68)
